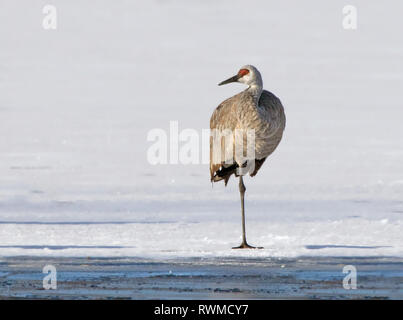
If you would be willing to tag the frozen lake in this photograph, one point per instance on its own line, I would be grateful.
(219, 278)
(77, 104)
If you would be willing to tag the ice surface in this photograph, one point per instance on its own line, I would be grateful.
(76, 105)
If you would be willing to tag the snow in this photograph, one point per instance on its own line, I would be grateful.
(76, 105)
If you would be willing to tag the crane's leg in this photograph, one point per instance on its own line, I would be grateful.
(244, 244)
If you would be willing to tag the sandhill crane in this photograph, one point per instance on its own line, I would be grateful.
(252, 110)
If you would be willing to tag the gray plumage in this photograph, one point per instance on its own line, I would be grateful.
(253, 108)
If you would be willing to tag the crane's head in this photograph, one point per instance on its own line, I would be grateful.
(248, 75)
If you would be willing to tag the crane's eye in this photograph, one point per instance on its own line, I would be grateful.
(243, 72)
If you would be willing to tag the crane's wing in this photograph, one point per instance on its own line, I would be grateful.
(268, 125)
(223, 122)
(270, 132)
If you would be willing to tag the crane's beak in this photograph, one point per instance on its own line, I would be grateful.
(232, 79)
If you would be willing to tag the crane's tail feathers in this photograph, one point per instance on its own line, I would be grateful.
(258, 164)
(224, 173)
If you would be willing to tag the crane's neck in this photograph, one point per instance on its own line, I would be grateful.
(255, 90)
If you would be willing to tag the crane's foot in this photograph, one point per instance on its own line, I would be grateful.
(245, 245)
